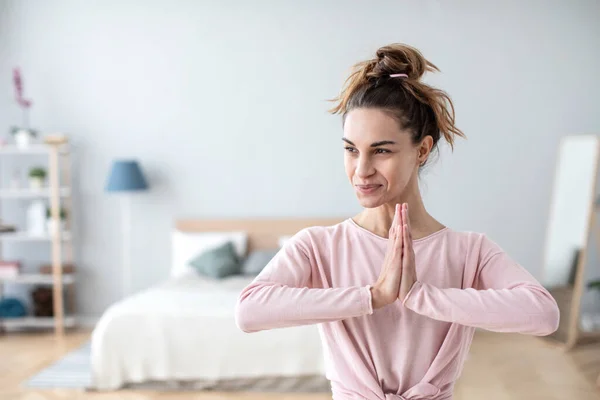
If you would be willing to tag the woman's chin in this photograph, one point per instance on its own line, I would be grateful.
(369, 202)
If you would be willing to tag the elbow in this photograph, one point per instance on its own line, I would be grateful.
(247, 311)
(242, 317)
(549, 321)
(553, 318)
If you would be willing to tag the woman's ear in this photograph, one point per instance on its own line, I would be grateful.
(424, 149)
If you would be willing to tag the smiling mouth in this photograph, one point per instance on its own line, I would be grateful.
(367, 189)
(367, 186)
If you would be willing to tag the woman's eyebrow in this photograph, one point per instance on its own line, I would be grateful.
(376, 144)
(382, 143)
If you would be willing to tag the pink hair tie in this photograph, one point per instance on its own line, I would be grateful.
(398, 75)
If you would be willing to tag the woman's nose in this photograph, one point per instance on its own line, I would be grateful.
(364, 167)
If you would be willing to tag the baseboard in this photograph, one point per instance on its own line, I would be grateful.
(87, 321)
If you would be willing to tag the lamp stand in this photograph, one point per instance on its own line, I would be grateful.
(126, 236)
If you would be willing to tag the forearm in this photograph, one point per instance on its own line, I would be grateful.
(525, 308)
(263, 306)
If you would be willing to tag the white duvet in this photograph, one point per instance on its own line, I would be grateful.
(184, 330)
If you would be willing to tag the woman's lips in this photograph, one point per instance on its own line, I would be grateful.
(367, 189)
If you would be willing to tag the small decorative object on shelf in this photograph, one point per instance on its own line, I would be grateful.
(51, 224)
(7, 228)
(67, 268)
(11, 307)
(37, 178)
(23, 137)
(9, 269)
(36, 218)
(43, 306)
(23, 134)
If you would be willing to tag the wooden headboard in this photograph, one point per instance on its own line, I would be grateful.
(263, 233)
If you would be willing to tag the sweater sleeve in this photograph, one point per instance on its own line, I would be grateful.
(283, 294)
(504, 298)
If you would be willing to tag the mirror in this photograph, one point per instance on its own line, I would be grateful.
(570, 227)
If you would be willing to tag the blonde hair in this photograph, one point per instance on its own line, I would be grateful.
(419, 108)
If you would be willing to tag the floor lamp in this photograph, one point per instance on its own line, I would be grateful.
(125, 178)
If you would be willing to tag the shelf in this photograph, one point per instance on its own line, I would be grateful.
(41, 279)
(53, 151)
(32, 193)
(35, 322)
(37, 148)
(27, 237)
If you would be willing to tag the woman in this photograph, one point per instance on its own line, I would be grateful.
(397, 295)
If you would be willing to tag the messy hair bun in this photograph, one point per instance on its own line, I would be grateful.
(392, 81)
(399, 58)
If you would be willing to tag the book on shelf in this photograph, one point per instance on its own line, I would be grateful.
(7, 228)
(67, 268)
(9, 269)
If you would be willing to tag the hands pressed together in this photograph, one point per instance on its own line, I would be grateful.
(398, 273)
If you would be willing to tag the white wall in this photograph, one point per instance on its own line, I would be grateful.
(190, 87)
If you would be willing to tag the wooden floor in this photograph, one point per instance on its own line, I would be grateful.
(500, 367)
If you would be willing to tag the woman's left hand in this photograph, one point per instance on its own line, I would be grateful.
(409, 272)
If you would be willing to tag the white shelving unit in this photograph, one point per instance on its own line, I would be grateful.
(37, 322)
(31, 193)
(34, 148)
(58, 193)
(39, 279)
(27, 237)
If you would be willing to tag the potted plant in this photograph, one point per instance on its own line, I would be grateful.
(37, 176)
(51, 224)
(23, 135)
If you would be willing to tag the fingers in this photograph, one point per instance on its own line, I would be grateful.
(392, 231)
(397, 230)
(398, 226)
(405, 231)
(407, 239)
(393, 226)
(401, 214)
(405, 218)
(405, 246)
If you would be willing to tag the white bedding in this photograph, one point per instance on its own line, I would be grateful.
(184, 330)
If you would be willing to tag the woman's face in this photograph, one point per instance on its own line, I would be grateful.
(380, 159)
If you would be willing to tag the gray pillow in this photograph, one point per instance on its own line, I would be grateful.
(218, 262)
(256, 261)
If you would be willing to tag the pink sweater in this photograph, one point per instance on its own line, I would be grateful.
(405, 351)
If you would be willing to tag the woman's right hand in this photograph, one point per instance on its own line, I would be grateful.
(385, 290)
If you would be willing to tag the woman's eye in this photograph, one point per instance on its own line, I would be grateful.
(350, 149)
(381, 151)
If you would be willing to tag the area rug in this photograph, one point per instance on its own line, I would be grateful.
(73, 372)
(70, 372)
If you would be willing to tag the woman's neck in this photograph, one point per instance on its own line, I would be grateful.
(379, 220)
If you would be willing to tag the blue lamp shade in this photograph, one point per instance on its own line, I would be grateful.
(126, 176)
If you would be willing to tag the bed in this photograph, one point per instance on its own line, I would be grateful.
(182, 332)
